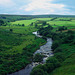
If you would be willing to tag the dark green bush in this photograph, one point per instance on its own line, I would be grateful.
(38, 57)
(54, 61)
(60, 56)
(38, 71)
(49, 67)
(58, 50)
(55, 45)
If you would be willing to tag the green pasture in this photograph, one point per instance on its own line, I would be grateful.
(44, 19)
(26, 22)
(63, 18)
(69, 24)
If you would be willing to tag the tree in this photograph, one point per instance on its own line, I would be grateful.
(36, 25)
(58, 50)
(70, 32)
(31, 24)
(11, 30)
(1, 22)
(54, 61)
(38, 71)
(49, 67)
(38, 57)
(44, 23)
(60, 56)
(55, 45)
(23, 25)
(62, 28)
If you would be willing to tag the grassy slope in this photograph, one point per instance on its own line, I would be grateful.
(68, 66)
(26, 38)
(21, 30)
(10, 41)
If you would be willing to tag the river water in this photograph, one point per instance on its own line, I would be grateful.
(45, 50)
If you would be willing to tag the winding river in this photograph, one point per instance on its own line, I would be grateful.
(45, 50)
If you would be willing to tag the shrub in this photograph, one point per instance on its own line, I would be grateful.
(38, 57)
(49, 67)
(38, 71)
(11, 30)
(54, 61)
(58, 50)
(1, 22)
(68, 38)
(55, 45)
(60, 56)
(23, 25)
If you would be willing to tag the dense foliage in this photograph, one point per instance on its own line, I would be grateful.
(62, 53)
(38, 57)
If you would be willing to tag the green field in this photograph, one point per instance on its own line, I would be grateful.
(44, 19)
(26, 22)
(69, 24)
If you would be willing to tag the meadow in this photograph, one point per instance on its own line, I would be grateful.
(43, 19)
(26, 22)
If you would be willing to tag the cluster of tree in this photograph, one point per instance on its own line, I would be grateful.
(45, 31)
(2, 17)
(1, 22)
(31, 24)
(43, 23)
(53, 19)
(13, 18)
(64, 20)
(59, 38)
(61, 28)
(11, 30)
(19, 25)
(29, 18)
(47, 68)
(62, 38)
(38, 57)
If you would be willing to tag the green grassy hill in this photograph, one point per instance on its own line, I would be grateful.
(68, 66)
